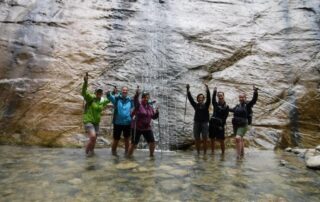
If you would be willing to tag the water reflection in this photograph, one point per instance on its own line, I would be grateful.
(31, 174)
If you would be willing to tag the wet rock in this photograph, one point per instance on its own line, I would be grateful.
(313, 162)
(288, 149)
(171, 185)
(178, 172)
(283, 162)
(75, 181)
(318, 148)
(310, 153)
(185, 163)
(299, 151)
(271, 197)
(126, 165)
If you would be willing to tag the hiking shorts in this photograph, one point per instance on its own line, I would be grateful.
(119, 129)
(241, 131)
(147, 134)
(200, 129)
(216, 132)
(90, 127)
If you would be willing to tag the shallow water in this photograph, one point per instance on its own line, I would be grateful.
(42, 174)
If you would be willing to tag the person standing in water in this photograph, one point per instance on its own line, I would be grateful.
(141, 125)
(242, 117)
(94, 106)
(218, 120)
(201, 118)
(121, 118)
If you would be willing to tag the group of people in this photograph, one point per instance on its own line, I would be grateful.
(132, 118)
(215, 125)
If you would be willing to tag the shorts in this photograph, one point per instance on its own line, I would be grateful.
(241, 131)
(118, 129)
(147, 134)
(216, 132)
(90, 127)
(200, 128)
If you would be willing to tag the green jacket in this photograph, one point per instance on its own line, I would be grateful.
(93, 107)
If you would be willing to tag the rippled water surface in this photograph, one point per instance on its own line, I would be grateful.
(41, 174)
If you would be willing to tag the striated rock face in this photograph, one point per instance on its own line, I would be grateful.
(47, 46)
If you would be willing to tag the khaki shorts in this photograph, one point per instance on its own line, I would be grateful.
(90, 127)
(241, 131)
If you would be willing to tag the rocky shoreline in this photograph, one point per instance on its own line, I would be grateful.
(310, 156)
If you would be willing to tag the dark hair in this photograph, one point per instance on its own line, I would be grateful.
(99, 90)
(200, 94)
(220, 93)
(144, 94)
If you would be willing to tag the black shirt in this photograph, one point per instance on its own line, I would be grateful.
(201, 110)
(221, 110)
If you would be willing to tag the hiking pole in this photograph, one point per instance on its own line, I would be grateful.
(160, 142)
(273, 96)
(185, 112)
(136, 119)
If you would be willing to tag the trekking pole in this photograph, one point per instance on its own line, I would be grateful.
(185, 112)
(273, 96)
(160, 142)
(135, 119)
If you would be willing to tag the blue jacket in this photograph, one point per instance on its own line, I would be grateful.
(122, 107)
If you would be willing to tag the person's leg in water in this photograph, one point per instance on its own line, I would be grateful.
(126, 134)
(96, 128)
(92, 138)
(205, 145)
(205, 131)
(149, 137)
(222, 146)
(134, 142)
(242, 147)
(196, 134)
(212, 137)
(241, 132)
(238, 145)
(212, 145)
(116, 137)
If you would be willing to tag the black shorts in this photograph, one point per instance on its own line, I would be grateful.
(216, 131)
(118, 129)
(148, 136)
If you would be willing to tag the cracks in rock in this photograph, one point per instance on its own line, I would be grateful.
(117, 13)
(224, 63)
(39, 23)
(308, 9)
(217, 2)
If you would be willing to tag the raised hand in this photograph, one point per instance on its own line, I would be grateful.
(115, 90)
(188, 87)
(85, 78)
(138, 90)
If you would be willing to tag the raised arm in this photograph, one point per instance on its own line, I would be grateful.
(136, 99)
(190, 98)
(85, 94)
(214, 95)
(208, 100)
(254, 98)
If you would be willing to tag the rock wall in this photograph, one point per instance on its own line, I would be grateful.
(47, 46)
